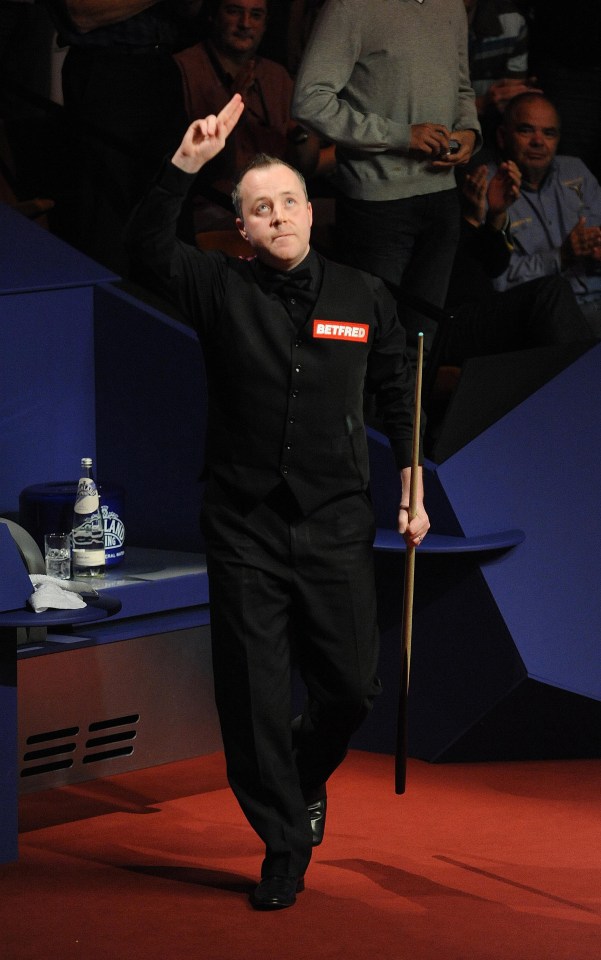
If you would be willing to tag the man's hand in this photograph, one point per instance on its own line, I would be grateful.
(481, 199)
(473, 195)
(413, 530)
(204, 139)
(582, 243)
(416, 529)
(503, 190)
(429, 140)
(466, 140)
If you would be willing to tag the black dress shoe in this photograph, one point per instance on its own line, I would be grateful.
(275, 893)
(317, 813)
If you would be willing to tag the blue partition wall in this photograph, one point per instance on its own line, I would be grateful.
(542, 464)
(150, 418)
(47, 401)
(506, 646)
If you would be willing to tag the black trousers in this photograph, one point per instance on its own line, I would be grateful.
(287, 588)
(409, 243)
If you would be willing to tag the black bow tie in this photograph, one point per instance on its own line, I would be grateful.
(294, 280)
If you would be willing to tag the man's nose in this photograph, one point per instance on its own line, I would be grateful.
(279, 212)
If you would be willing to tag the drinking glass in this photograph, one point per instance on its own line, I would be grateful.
(57, 552)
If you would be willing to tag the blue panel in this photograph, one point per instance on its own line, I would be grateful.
(446, 535)
(539, 468)
(151, 403)
(34, 259)
(47, 418)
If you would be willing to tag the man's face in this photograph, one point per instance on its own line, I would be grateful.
(239, 26)
(530, 138)
(276, 216)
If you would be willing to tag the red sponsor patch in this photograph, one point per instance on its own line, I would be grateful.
(335, 330)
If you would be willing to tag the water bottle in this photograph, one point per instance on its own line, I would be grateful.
(88, 529)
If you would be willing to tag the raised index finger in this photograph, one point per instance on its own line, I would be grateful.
(231, 113)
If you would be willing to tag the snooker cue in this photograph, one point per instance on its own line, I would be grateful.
(400, 772)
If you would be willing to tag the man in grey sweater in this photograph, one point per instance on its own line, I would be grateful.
(388, 83)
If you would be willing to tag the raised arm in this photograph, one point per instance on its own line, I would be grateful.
(178, 270)
(204, 139)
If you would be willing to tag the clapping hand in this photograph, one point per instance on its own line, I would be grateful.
(491, 200)
(582, 243)
(503, 190)
(473, 194)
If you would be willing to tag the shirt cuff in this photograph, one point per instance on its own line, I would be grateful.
(402, 451)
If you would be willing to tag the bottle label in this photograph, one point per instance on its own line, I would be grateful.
(114, 532)
(88, 558)
(87, 500)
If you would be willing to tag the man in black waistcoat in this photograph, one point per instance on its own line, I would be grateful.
(290, 343)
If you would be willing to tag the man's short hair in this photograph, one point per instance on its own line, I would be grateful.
(210, 8)
(259, 162)
(529, 96)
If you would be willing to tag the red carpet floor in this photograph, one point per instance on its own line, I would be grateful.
(474, 862)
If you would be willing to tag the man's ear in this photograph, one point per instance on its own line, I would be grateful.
(240, 227)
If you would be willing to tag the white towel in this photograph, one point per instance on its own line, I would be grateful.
(52, 593)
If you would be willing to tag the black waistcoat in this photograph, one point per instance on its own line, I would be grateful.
(287, 404)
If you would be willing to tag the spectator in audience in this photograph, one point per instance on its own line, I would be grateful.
(498, 58)
(123, 97)
(555, 224)
(540, 312)
(227, 62)
(396, 100)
